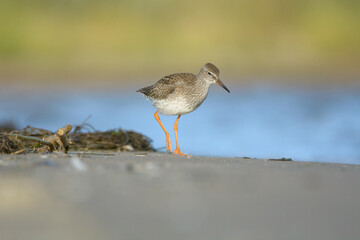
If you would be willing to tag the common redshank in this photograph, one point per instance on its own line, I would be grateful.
(179, 94)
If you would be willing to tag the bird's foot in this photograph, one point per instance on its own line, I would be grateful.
(168, 144)
(178, 152)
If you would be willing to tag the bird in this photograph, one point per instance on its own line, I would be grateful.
(179, 94)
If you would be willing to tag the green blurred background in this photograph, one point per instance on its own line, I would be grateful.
(311, 41)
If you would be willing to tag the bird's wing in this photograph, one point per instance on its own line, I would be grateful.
(167, 85)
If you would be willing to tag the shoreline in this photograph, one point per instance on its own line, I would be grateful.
(152, 195)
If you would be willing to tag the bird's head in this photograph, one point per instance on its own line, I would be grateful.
(210, 73)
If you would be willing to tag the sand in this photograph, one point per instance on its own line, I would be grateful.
(158, 196)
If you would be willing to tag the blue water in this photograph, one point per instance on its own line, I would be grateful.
(261, 122)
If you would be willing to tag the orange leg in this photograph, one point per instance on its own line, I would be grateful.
(168, 142)
(177, 150)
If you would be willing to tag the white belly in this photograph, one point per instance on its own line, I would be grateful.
(174, 106)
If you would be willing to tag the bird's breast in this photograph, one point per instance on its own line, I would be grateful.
(179, 104)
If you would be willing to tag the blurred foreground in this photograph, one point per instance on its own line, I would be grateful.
(158, 196)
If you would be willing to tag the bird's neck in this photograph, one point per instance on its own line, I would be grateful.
(201, 81)
(203, 85)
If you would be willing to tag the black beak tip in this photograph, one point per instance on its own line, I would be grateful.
(221, 84)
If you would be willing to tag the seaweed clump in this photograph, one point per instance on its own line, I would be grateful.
(35, 140)
(10, 144)
(116, 139)
(83, 138)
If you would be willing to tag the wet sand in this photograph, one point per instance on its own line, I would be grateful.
(158, 196)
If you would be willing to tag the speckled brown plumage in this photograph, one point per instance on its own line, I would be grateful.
(167, 85)
(181, 93)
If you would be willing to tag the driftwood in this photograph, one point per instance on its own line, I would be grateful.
(58, 142)
(35, 139)
(83, 138)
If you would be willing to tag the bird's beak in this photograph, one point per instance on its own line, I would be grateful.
(220, 83)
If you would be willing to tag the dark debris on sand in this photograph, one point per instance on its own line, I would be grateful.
(83, 138)
(116, 139)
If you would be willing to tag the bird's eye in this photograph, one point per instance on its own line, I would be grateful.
(209, 73)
